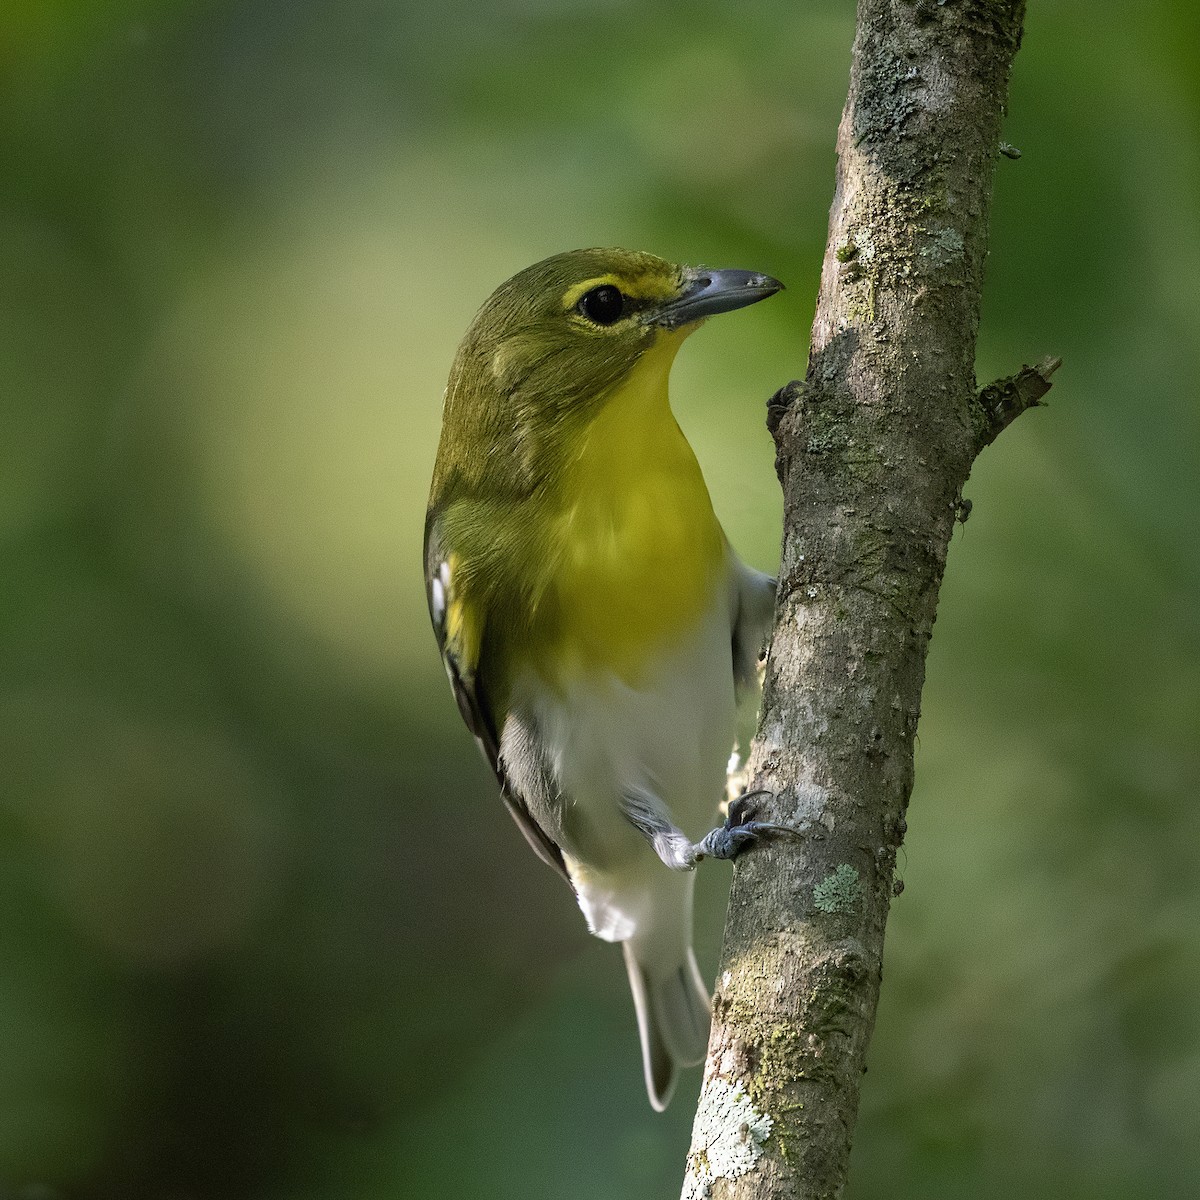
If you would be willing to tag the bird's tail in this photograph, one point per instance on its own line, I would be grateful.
(673, 1015)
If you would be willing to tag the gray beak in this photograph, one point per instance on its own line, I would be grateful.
(708, 292)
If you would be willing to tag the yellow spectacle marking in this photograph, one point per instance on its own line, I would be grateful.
(646, 287)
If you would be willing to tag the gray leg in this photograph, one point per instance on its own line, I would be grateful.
(650, 817)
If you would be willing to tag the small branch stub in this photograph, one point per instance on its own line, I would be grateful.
(1001, 403)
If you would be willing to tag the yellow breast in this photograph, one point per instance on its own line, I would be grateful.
(640, 549)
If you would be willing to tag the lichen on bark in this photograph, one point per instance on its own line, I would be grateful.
(873, 448)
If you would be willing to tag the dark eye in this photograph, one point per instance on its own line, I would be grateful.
(603, 304)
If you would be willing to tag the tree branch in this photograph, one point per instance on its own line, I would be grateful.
(999, 404)
(873, 449)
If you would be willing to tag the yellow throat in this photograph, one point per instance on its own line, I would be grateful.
(641, 550)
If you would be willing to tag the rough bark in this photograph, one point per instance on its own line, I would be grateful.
(873, 449)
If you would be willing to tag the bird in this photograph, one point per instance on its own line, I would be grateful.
(596, 624)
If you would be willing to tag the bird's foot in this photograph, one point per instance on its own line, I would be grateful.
(738, 831)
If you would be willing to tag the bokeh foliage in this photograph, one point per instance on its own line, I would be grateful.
(264, 930)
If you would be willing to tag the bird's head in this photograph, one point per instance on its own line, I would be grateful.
(551, 344)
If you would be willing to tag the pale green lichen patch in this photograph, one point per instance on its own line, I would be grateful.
(727, 1138)
(839, 892)
(864, 243)
(943, 246)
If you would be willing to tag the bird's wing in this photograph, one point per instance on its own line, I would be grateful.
(460, 630)
(753, 615)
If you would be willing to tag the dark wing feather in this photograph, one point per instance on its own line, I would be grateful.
(472, 704)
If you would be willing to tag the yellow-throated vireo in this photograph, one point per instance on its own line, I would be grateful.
(595, 623)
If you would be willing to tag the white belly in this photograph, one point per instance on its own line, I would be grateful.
(671, 736)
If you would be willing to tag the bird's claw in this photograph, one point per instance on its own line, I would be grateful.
(738, 830)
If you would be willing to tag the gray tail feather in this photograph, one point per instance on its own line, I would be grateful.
(673, 1018)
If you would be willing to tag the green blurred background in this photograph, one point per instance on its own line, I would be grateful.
(265, 931)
